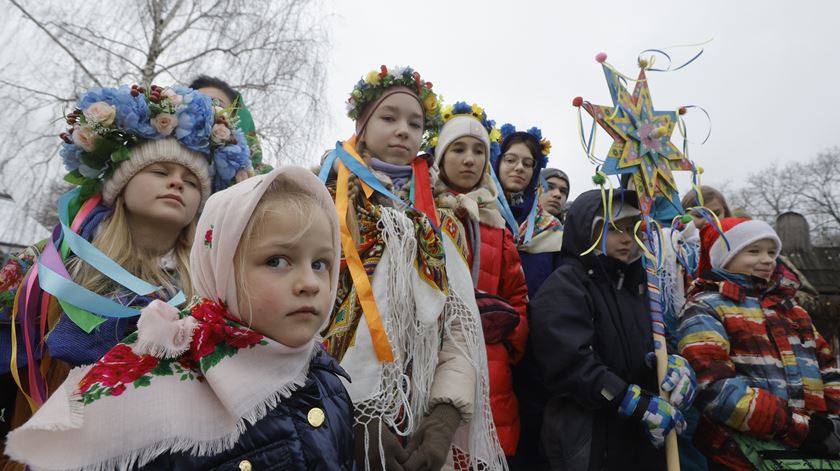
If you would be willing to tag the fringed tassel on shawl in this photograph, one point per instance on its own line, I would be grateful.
(476, 445)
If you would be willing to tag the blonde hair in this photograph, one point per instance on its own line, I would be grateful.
(284, 198)
(114, 239)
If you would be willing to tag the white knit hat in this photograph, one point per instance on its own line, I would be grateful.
(153, 151)
(740, 235)
(458, 127)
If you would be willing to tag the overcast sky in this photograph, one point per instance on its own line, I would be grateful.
(770, 78)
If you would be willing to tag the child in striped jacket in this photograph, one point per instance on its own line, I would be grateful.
(769, 387)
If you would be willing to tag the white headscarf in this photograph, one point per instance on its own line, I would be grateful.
(191, 381)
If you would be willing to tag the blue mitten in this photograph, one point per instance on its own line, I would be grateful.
(679, 380)
(657, 415)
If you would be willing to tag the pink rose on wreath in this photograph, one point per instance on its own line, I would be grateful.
(172, 96)
(10, 275)
(220, 133)
(84, 137)
(119, 366)
(101, 112)
(165, 123)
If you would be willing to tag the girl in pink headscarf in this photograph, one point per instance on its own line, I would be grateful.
(237, 379)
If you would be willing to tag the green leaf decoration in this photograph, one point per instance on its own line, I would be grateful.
(92, 160)
(88, 188)
(74, 177)
(120, 154)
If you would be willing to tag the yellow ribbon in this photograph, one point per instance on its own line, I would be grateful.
(608, 213)
(381, 345)
(641, 244)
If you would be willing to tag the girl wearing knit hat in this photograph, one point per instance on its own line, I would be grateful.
(237, 379)
(538, 234)
(405, 325)
(143, 164)
(465, 194)
(769, 387)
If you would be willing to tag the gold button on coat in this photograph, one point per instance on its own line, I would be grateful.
(316, 417)
(244, 465)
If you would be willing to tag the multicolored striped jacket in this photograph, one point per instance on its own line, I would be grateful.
(762, 368)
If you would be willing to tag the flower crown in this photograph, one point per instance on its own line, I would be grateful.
(535, 132)
(430, 139)
(371, 86)
(107, 122)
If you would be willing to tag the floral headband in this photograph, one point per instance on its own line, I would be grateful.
(371, 86)
(107, 122)
(460, 108)
(509, 130)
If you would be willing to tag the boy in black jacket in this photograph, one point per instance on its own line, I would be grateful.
(591, 334)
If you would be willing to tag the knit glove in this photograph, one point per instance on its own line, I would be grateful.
(394, 452)
(430, 444)
(679, 380)
(823, 435)
(657, 415)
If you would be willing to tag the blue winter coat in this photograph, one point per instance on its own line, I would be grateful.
(285, 439)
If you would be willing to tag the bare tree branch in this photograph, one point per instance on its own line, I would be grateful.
(57, 41)
(271, 50)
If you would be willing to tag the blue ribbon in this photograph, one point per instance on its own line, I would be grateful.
(364, 173)
(504, 207)
(359, 169)
(76, 295)
(93, 256)
(71, 292)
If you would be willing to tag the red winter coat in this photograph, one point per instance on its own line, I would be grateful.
(500, 273)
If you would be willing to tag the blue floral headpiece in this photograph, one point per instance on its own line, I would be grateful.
(107, 122)
(508, 130)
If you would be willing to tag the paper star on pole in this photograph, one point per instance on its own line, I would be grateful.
(642, 136)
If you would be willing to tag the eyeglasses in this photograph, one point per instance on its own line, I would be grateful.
(513, 159)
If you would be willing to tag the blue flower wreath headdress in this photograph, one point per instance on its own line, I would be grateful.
(107, 122)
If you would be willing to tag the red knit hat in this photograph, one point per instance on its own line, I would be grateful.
(715, 252)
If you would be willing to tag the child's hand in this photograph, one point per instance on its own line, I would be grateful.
(657, 414)
(431, 442)
(679, 380)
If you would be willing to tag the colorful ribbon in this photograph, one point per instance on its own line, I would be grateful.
(364, 290)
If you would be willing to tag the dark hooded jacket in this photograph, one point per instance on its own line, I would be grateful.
(590, 332)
